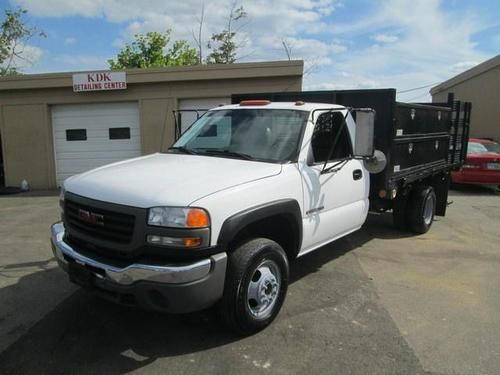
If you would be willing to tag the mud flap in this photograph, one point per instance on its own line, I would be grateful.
(441, 185)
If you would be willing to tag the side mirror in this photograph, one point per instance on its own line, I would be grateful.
(365, 125)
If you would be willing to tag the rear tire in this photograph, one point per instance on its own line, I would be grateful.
(399, 212)
(421, 209)
(256, 285)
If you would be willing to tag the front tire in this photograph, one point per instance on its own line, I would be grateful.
(256, 285)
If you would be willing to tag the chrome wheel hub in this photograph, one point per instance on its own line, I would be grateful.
(428, 209)
(263, 289)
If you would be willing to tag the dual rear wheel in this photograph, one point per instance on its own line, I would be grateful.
(415, 212)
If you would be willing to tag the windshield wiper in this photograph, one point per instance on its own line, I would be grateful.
(227, 153)
(183, 150)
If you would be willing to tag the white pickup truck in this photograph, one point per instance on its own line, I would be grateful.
(216, 219)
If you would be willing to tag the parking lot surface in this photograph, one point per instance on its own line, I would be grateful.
(377, 301)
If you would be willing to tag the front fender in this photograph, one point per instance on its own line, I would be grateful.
(234, 224)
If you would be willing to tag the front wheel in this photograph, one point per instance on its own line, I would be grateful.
(256, 285)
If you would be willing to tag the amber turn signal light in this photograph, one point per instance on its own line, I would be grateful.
(192, 242)
(197, 218)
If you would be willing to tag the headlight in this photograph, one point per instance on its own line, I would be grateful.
(178, 217)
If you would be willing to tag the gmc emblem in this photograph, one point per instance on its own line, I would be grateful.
(91, 217)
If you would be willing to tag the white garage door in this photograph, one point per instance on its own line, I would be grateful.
(87, 136)
(187, 118)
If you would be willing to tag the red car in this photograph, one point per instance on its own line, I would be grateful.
(482, 165)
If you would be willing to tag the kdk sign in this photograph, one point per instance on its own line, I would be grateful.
(97, 81)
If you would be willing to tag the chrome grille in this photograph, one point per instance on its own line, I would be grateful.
(96, 222)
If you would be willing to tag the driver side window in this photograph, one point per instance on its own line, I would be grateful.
(326, 130)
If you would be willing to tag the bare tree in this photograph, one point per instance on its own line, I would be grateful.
(199, 39)
(14, 35)
(287, 45)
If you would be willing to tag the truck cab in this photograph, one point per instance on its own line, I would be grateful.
(216, 219)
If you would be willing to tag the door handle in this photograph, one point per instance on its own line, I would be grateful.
(357, 174)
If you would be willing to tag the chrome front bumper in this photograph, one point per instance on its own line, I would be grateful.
(173, 287)
(171, 274)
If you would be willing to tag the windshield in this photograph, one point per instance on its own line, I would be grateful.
(483, 148)
(255, 134)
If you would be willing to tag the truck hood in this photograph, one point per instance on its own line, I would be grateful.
(166, 179)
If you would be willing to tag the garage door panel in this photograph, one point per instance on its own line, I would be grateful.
(118, 115)
(97, 133)
(93, 145)
(115, 154)
(80, 110)
(63, 176)
(121, 115)
(69, 165)
(97, 144)
(97, 149)
(126, 153)
(104, 122)
(69, 123)
(93, 137)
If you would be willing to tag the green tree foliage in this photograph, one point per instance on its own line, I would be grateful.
(13, 37)
(150, 51)
(223, 45)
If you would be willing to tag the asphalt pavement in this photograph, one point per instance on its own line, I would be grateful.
(378, 301)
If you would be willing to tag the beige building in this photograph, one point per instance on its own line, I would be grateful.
(56, 125)
(481, 86)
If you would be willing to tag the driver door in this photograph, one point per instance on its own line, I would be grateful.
(335, 201)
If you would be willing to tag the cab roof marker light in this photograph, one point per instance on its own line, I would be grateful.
(247, 103)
